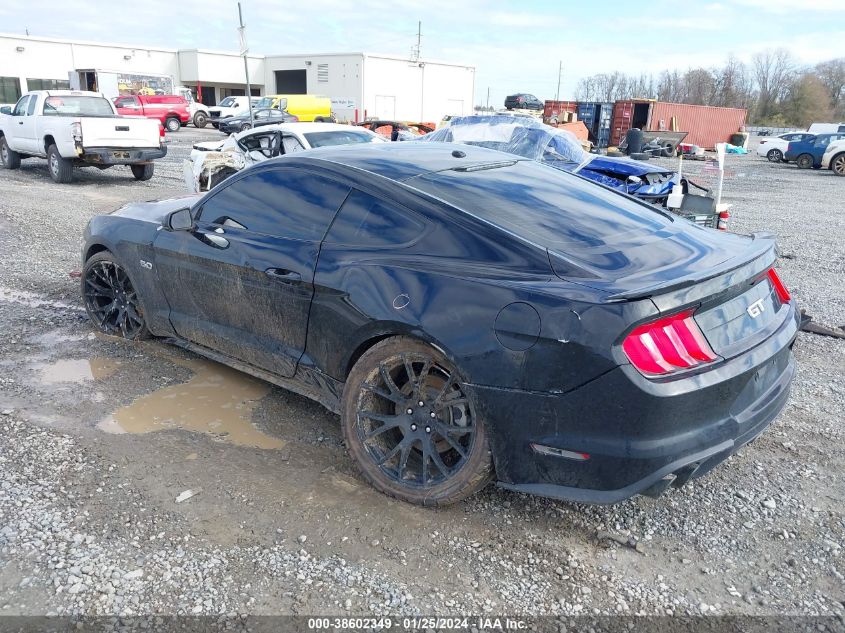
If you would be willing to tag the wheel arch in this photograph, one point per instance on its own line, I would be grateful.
(48, 141)
(385, 330)
(93, 249)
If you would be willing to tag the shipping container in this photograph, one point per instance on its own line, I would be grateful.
(596, 116)
(627, 114)
(556, 108)
(705, 125)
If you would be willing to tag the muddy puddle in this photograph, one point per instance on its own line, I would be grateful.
(217, 401)
(73, 371)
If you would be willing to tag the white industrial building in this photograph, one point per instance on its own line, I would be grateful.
(361, 85)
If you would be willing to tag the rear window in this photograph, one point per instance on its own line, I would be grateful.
(551, 208)
(338, 137)
(72, 105)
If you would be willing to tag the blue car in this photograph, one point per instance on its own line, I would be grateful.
(531, 139)
(808, 153)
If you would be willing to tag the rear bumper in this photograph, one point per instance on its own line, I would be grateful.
(121, 156)
(640, 436)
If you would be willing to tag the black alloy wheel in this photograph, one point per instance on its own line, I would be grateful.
(111, 300)
(411, 427)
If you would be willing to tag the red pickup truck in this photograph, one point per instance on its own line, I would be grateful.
(171, 110)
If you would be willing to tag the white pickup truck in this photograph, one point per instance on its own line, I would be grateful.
(77, 128)
(230, 106)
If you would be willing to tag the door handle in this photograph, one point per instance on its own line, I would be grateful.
(213, 239)
(284, 275)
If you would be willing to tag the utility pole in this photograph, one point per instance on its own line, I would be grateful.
(559, 71)
(244, 51)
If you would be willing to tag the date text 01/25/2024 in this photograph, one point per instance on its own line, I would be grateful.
(417, 623)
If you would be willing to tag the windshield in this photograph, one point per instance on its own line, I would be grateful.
(71, 105)
(227, 102)
(339, 137)
(515, 135)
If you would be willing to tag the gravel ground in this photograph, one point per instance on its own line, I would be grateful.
(89, 522)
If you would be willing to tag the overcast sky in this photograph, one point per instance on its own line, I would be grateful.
(515, 46)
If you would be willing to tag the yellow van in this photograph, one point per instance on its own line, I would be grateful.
(305, 107)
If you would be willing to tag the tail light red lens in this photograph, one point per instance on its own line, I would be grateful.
(667, 345)
(780, 289)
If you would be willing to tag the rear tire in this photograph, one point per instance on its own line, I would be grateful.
(61, 169)
(245, 127)
(143, 172)
(200, 119)
(837, 165)
(10, 158)
(805, 161)
(172, 124)
(774, 156)
(440, 449)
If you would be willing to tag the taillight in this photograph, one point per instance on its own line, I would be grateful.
(724, 216)
(76, 130)
(780, 289)
(667, 345)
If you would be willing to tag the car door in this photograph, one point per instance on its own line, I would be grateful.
(28, 130)
(241, 282)
(17, 138)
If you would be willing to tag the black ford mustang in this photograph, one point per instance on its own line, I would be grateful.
(471, 315)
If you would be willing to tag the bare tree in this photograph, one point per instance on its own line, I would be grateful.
(807, 100)
(832, 75)
(773, 71)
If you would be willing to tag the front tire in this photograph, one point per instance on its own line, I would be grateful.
(200, 119)
(172, 124)
(10, 158)
(774, 155)
(111, 300)
(143, 172)
(410, 425)
(805, 161)
(61, 169)
(245, 127)
(837, 165)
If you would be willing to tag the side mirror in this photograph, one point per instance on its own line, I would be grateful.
(180, 220)
(6, 110)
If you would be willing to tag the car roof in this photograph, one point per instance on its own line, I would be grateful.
(407, 159)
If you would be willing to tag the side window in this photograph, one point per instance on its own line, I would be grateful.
(365, 220)
(20, 106)
(31, 108)
(822, 141)
(791, 137)
(288, 203)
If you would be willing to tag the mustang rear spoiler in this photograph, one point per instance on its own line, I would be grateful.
(761, 254)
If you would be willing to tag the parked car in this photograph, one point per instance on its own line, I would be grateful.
(523, 101)
(527, 137)
(230, 106)
(774, 148)
(470, 315)
(171, 110)
(199, 112)
(74, 128)
(261, 117)
(214, 161)
(807, 154)
(397, 131)
(304, 107)
(827, 128)
(834, 158)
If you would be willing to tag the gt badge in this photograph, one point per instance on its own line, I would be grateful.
(755, 309)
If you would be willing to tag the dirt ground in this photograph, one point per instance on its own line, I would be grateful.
(101, 437)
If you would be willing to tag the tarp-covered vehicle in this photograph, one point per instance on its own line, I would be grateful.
(558, 148)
